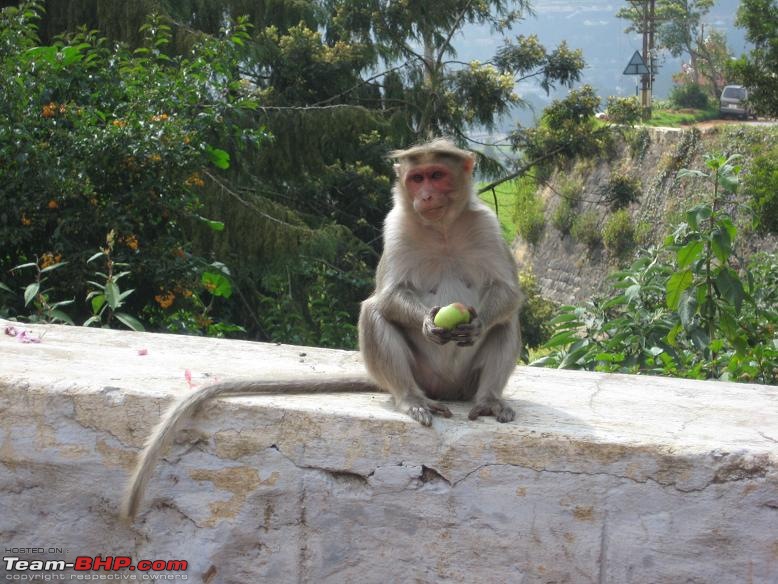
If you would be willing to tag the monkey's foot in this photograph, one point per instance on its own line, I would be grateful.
(496, 408)
(423, 412)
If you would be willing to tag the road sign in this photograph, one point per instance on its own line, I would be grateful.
(636, 65)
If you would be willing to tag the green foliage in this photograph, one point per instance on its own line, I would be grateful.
(536, 313)
(567, 129)
(563, 216)
(626, 111)
(756, 70)
(107, 297)
(38, 293)
(689, 95)
(586, 229)
(639, 140)
(163, 138)
(570, 193)
(530, 215)
(761, 186)
(668, 116)
(618, 233)
(688, 308)
(620, 190)
(97, 139)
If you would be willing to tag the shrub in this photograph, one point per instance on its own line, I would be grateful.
(621, 190)
(624, 110)
(639, 139)
(618, 233)
(586, 229)
(761, 185)
(688, 308)
(100, 140)
(536, 313)
(689, 95)
(570, 192)
(530, 213)
(563, 216)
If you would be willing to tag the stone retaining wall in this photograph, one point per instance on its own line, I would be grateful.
(601, 478)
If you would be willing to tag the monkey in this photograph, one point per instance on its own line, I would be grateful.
(441, 245)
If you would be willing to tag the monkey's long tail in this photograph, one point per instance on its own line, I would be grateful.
(187, 406)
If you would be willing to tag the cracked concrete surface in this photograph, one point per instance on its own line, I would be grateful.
(601, 478)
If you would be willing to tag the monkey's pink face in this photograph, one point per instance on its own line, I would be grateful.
(430, 187)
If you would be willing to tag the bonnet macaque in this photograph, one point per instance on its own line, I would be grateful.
(441, 245)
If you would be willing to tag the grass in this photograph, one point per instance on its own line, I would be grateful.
(506, 205)
(680, 117)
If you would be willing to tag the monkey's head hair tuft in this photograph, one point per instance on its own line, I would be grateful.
(437, 148)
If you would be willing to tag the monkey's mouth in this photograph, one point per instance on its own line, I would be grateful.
(434, 213)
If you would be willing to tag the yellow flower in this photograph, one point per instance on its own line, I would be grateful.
(119, 123)
(26, 220)
(165, 300)
(155, 158)
(131, 241)
(49, 110)
(49, 259)
(194, 180)
(159, 118)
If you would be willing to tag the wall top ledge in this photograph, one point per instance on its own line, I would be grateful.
(563, 417)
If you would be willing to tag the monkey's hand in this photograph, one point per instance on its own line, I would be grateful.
(436, 334)
(465, 335)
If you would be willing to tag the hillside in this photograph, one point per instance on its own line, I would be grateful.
(647, 160)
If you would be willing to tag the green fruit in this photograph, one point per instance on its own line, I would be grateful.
(451, 316)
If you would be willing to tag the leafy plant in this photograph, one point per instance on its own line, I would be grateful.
(618, 233)
(686, 308)
(620, 190)
(535, 315)
(98, 138)
(108, 297)
(689, 95)
(761, 186)
(530, 216)
(624, 110)
(586, 229)
(38, 295)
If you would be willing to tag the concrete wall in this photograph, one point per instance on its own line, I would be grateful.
(601, 478)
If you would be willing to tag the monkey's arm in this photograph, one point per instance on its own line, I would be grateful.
(187, 406)
(501, 297)
(499, 303)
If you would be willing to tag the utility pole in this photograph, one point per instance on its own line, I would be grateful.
(647, 11)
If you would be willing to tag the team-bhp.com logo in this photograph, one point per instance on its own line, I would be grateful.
(122, 568)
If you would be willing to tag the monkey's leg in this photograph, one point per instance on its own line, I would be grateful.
(495, 360)
(389, 361)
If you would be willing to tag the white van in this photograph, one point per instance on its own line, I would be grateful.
(733, 102)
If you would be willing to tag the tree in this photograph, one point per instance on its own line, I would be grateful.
(713, 58)
(680, 30)
(336, 83)
(441, 95)
(756, 70)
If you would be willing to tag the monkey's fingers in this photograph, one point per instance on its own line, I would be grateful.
(439, 409)
(436, 334)
(495, 407)
(423, 412)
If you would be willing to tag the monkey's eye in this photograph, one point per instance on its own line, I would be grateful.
(438, 174)
(417, 178)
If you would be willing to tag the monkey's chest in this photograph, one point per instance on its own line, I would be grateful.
(442, 281)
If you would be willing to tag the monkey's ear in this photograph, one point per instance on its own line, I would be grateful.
(468, 163)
